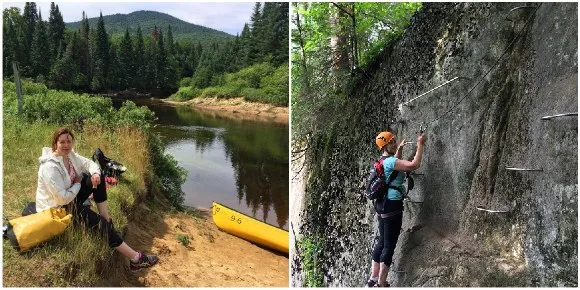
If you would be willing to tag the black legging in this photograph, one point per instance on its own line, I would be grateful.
(84, 215)
(389, 229)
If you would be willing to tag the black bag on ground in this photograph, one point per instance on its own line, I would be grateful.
(109, 166)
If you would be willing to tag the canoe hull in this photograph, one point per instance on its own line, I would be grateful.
(248, 228)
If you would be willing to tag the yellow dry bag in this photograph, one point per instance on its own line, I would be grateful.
(31, 230)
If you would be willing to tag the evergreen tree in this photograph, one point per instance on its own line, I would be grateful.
(197, 56)
(11, 45)
(155, 32)
(56, 29)
(84, 60)
(205, 70)
(170, 45)
(172, 73)
(282, 24)
(267, 32)
(101, 57)
(150, 75)
(277, 33)
(115, 77)
(257, 35)
(245, 46)
(139, 81)
(30, 18)
(65, 69)
(161, 62)
(234, 58)
(40, 63)
(190, 62)
(126, 67)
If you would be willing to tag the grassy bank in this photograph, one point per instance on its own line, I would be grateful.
(260, 83)
(78, 257)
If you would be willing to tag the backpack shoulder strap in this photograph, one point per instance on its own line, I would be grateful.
(392, 177)
(393, 174)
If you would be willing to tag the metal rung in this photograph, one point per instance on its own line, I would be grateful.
(559, 115)
(412, 201)
(491, 210)
(523, 169)
(517, 8)
(443, 84)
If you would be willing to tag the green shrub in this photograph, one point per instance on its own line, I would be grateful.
(169, 175)
(250, 77)
(225, 92)
(183, 239)
(30, 88)
(185, 82)
(131, 114)
(257, 83)
(185, 93)
(312, 251)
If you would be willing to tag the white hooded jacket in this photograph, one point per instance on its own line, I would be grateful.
(54, 185)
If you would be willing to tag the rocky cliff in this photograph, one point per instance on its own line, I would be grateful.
(485, 121)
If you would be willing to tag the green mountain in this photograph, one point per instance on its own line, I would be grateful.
(182, 31)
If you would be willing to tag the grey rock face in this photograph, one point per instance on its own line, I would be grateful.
(446, 240)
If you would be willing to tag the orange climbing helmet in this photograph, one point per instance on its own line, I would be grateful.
(384, 138)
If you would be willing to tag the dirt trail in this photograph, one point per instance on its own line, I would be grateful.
(212, 259)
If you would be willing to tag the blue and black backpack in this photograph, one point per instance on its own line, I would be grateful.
(377, 186)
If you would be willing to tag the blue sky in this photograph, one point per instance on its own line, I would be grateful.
(224, 16)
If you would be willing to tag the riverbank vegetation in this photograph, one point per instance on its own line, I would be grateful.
(257, 83)
(79, 257)
(254, 67)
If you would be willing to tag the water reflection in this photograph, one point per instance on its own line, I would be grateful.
(242, 164)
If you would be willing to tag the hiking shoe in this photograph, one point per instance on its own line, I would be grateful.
(386, 285)
(371, 283)
(145, 261)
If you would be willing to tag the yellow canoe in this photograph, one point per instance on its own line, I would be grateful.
(248, 228)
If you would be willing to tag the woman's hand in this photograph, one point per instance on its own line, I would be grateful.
(78, 179)
(95, 179)
(422, 139)
(403, 143)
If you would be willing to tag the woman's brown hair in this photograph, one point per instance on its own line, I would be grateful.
(60, 131)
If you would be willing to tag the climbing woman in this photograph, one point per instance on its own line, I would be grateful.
(66, 179)
(390, 210)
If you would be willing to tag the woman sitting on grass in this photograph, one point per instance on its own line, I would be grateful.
(64, 180)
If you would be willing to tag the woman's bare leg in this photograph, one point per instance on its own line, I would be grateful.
(126, 251)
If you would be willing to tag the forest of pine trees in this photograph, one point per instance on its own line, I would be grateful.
(88, 60)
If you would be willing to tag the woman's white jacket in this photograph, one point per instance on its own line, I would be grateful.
(54, 185)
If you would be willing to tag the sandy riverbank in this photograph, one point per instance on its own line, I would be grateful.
(239, 109)
(212, 259)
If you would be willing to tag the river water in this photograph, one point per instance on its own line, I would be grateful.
(240, 164)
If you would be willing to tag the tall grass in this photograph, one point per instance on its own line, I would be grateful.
(79, 257)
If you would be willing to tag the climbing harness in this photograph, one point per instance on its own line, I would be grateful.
(485, 75)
